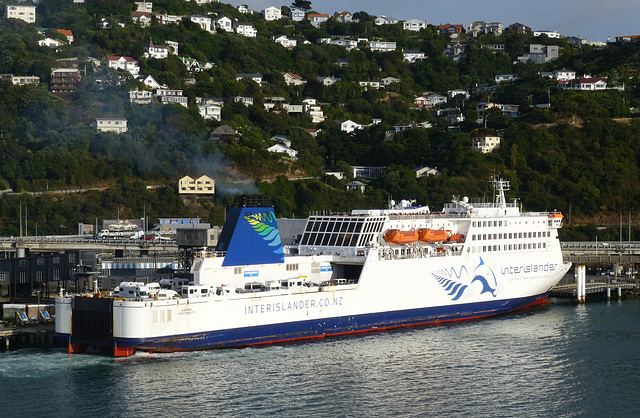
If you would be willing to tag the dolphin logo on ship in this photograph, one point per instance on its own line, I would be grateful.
(486, 270)
(452, 280)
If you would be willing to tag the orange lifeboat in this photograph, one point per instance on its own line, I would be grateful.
(394, 236)
(456, 238)
(433, 235)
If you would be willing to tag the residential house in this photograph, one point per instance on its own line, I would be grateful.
(493, 47)
(142, 97)
(156, 51)
(414, 25)
(282, 139)
(343, 62)
(144, 6)
(255, 77)
(496, 28)
(385, 20)
(202, 186)
(449, 28)
(286, 42)
(476, 28)
(149, 81)
(317, 19)
(117, 125)
(170, 96)
(142, 18)
(21, 80)
(349, 126)
(356, 185)
(210, 111)
(26, 12)
(244, 9)
(367, 172)
(499, 78)
(293, 79)
(454, 93)
(382, 46)
(123, 63)
(413, 55)
(165, 19)
(193, 66)
(590, 83)
(485, 143)
(453, 115)
(223, 23)
(64, 80)
(51, 43)
(519, 28)
(540, 54)
(173, 47)
(283, 149)
(344, 17)
(505, 109)
(224, 134)
(455, 51)
(348, 44)
(245, 29)
(247, 101)
(369, 84)
(203, 21)
(272, 13)
(561, 75)
(387, 81)
(296, 14)
(328, 81)
(627, 38)
(425, 172)
(201, 2)
(67, 33)
(550, 33)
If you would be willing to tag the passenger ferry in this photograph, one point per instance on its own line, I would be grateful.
(370, 270)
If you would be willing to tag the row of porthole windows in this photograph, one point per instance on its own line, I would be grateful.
(511, 247)
(489, 224)
(511, 235)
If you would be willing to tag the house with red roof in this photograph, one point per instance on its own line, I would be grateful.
(123, 63)
(449, 28)
(317, 19)
(67, 33)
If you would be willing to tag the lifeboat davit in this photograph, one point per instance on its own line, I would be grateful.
(394, 236)
(433, 235)
(456, 238)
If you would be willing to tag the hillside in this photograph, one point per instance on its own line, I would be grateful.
(419, 103)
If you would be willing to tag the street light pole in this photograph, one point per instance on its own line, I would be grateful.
(620, 226)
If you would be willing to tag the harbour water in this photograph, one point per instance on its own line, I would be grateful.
(558, 360)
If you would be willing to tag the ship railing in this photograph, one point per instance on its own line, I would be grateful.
(210, 254)
(388, 253)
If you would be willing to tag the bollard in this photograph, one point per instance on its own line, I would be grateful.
(608, 293)
(620, 293)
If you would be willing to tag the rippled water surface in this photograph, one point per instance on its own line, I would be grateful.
(560, 360)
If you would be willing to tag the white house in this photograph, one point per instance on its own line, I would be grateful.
(296, 14)
(169, 96)
(286, 42)
(328, 81)
(165, 19)
(148, 81)
(282, 140)
(204, 22)
(591, 83)
(272, 13)
(387, 81)
(369, 84)
(414, 25)
(224, 23)
(425, 172)
(317, 19)
(255, 77)
(244, 9)
(156, 51)
(245, 29)
(144, 6)
(485, 143)
(413, 55)
(454, 93)
(282, 148)
(51, 43)
(26, 12)
(293, 79)
(67, 33)
(356, 185)
(245, 100)
(549, 33)
(385, 20)
(210, 111)
(348, 44)
(349, 126)
(117, 125)
(382, 46)
(173, 47)
(123, 63)
(142, 97)
(21, 80)
(344, 17)
(505, 77)
(143, 18)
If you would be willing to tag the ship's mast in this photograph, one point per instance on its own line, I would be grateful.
(501, 185)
